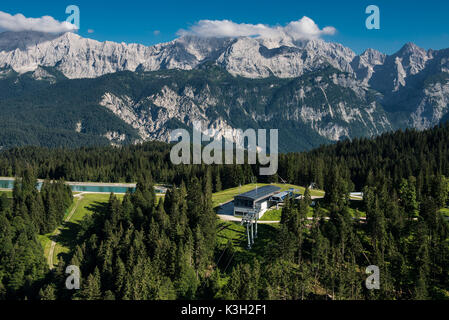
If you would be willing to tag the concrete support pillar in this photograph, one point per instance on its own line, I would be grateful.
(249, 237)
(252, 231)
(256, 228)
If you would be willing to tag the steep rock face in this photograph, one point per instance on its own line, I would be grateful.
(151, 114)
(432, 107)
(414, 84)
(78, 57)
(338, 106)
(43, 75)
(259, 58)
(394, 73)
(327, 105)
(364, 64)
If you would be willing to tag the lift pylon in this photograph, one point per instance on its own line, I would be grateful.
(250, 220)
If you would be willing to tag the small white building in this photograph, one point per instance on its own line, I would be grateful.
(356, 195)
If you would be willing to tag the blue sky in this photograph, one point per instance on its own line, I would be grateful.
(425, 23)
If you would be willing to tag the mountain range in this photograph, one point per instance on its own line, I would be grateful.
(65, 90)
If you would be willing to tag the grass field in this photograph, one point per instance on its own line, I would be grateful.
(445, 212)
(45, 240)
(275, 214)
(226, 258)
(272, 215)
(230, 231)
(88, 204)
(236, 233)
(229, 194)
(8, 193)
(356, 209)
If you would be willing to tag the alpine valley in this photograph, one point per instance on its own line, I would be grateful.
(65, 90)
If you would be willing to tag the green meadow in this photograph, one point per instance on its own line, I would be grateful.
(87, 204)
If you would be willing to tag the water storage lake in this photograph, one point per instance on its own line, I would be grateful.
(8, 184)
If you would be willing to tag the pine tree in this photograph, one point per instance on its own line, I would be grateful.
(407, 193)
(91, 289)
(48, 294)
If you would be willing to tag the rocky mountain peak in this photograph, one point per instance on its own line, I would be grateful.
(411, 58)
(410, 48)
(250, 57)
(373, 57)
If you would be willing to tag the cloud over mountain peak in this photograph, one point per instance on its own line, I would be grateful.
(46, 24)
(303, 29)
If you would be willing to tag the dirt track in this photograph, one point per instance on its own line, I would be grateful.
(58, 231)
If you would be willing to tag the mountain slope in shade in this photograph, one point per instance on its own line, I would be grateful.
(320, 107)
(43, 108)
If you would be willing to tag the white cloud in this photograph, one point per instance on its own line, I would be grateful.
(19, 22)
(302, 29)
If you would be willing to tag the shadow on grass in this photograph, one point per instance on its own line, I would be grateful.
(225, 230)
(357, 205)
(235, 242)
(267, 235)
(68, 237)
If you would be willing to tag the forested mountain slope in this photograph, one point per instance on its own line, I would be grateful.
(122, 108)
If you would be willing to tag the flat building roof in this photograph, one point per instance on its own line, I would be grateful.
(259, 193)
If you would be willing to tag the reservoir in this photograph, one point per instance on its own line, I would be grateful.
(119, 188)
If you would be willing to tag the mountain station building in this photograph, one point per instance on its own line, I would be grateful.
(256, 201)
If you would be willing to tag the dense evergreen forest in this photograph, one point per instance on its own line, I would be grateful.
(23, 267)
(392, 156)
(140, 248)
(117, 164)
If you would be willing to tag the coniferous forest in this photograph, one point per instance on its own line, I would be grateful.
(142, 249)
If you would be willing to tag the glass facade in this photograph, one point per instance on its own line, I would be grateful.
(243, 203)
